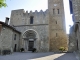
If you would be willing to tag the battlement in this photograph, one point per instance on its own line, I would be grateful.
(18, 11)
(23, 17)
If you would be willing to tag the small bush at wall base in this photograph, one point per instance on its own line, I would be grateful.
(4, 52)
(34, 50)
(62, 49)
(22, 49)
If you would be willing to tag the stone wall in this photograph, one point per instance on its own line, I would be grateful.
(57, 28)
(74, 35)
(43, 35)
(0, 37)
(76, 10)
(16, 41)
(21, 21)
(77, 32)
(0, 27)
(19, 17)
(6, 39)
(49, 25)
(72, 46)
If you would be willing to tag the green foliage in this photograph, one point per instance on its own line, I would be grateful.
(22, 49)
(34, 50)
(62, 49)
(2, 3)
(4, 52)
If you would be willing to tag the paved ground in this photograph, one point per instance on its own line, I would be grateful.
(39, 56)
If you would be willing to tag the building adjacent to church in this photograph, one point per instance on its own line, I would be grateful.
(74, 36)
(8, 39)
(44, 30)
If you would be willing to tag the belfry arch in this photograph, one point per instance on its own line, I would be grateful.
(31, 39)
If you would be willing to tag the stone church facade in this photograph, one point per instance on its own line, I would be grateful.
(34, 27)
(44, 30)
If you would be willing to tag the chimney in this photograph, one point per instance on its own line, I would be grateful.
(7, 20)
(0, 27)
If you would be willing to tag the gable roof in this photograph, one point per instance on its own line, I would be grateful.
(4, 24)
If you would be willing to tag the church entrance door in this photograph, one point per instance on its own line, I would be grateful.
(30, 37)
(30, 45)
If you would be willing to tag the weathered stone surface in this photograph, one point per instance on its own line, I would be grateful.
(7, 41)
(72, 46)
(57, 35)
(0, 28)
(74, 36)
(23, 18)
(76, 10)
(21, 22)
(42, 32)
(49, 28)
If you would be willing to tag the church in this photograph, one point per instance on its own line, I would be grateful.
(43, 30)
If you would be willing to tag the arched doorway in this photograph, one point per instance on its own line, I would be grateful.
(30, 38)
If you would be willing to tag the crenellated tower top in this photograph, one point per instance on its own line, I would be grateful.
(22, 17)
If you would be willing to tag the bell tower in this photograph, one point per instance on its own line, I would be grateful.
(57, 28)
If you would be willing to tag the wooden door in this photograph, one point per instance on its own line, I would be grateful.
(30, 45)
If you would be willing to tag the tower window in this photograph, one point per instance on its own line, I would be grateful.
(31, 20)
(56, 22)
(14, 36)
(58, 11)
(53, 11)
(56, 34)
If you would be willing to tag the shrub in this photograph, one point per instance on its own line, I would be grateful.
(4, 52)
(22, 49)
(34, 50)
(62, 49)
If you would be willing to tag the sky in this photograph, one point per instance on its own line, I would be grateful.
(33, 5)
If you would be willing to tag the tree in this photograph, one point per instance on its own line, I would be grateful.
(2, 3)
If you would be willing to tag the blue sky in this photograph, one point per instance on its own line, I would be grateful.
(33, 5)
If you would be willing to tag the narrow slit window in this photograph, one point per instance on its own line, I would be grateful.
(53, 11)
(31, 20)
(56, 22)
(58, 11)
(56, 34)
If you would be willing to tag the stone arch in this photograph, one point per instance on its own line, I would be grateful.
(31, 39)
(35, 32)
